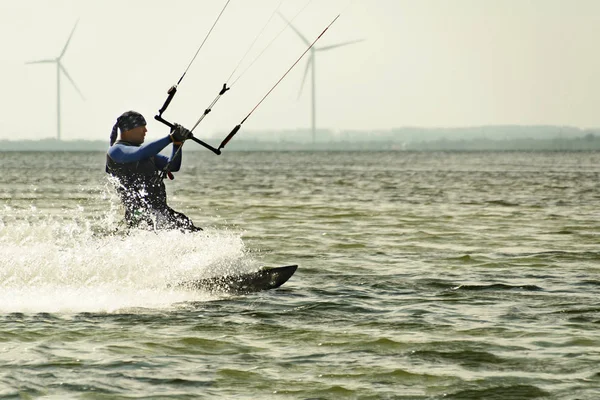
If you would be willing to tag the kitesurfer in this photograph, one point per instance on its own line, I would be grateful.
(139, 171)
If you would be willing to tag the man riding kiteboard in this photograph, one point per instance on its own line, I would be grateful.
(139, 172)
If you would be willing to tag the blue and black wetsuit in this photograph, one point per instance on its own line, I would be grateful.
(140, 186)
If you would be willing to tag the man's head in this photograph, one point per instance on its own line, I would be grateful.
(133, 128)
(135, 135)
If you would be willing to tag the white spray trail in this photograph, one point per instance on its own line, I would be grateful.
(55, 263)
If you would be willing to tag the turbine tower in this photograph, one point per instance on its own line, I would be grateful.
(310, 64)
(60, 68)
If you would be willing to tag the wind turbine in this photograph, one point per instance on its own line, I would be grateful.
(311, 64)
(60, 67)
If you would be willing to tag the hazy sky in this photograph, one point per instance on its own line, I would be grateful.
(422, 63)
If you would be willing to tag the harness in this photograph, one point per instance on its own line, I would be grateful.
(139, 187)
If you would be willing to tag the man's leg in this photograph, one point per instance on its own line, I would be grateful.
(171, 219)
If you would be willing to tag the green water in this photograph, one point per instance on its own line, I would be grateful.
(421, 276)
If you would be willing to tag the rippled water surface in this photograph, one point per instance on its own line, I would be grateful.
(421, 276)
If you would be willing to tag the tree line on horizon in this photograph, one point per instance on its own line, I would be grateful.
(553, 138)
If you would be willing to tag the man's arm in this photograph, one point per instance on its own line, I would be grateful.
(124, 154)
(161, 161)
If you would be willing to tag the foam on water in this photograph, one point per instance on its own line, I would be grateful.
(61, 265)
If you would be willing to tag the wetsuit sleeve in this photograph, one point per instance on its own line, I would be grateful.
(125, 154)
(161, 161)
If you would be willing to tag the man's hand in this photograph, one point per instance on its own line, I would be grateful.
(179, 134)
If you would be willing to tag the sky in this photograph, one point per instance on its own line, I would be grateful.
(430, 63)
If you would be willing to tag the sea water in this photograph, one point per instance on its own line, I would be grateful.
(421, 276)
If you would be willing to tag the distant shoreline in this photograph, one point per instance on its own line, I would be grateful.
(576, 144)
(458, 146)
(484, 138)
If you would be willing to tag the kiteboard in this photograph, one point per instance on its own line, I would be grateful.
(247, 282)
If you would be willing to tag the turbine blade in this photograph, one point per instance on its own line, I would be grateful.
(70, 79)
(305, 74)
(68, 40)
(294, 29)
(333, 46)
(41, 61)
